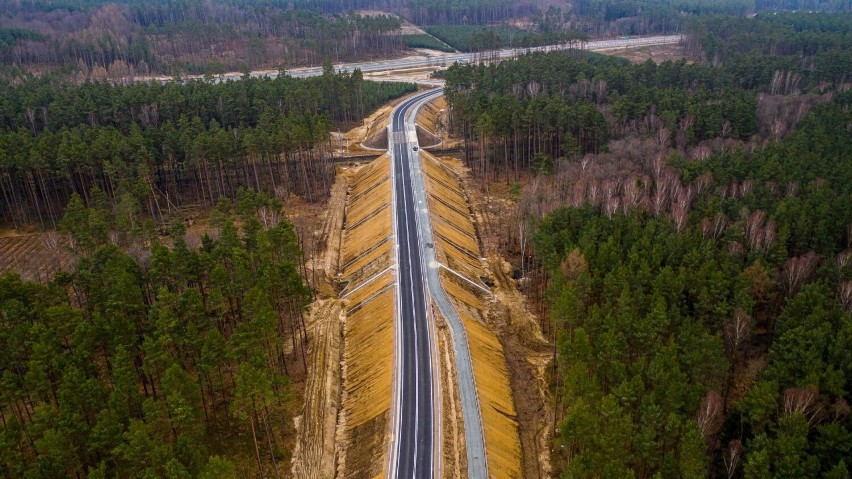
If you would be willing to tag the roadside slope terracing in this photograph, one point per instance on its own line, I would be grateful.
(457, 248)
(433, 125)
(528, 353)
(368, 294)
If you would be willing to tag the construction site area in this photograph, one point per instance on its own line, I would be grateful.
(349, 392)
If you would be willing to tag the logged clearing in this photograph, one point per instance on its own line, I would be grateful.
(368, 295)
(656, 53)
(317, 423)
(458, 248)
(344, 422)
(35, 257)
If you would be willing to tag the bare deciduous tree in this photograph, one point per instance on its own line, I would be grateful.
(611, 206)
(844, 294)
(737, 329)
(269, 217)
(792, 188)
(797, 271)
(842, 259)
(710, 415)
(679, 215)
(804, 401)
(732, 457)
(736, 249)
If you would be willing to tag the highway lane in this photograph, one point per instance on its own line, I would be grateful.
(412, 448)
(477, 462)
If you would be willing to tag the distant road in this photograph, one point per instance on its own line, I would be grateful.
(449, 58)
(446, 59)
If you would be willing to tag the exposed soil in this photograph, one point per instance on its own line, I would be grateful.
(454, 459)
(414, 75)
(434, 117)
(528, 353)
(656, 53)
(315, 426)
(35, 257)
(373, 124)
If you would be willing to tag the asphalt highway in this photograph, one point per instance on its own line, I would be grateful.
(413, 448)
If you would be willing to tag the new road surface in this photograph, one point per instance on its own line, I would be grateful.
(412, 446)
(416, 417)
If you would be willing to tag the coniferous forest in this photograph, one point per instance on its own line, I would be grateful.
(684, 228)
(688, 226)
(160, 147)
(172, 360)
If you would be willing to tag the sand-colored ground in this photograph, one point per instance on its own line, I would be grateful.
(655, 53)
(314, 452)
(342, 431)
(458, 248)
(368, 296)
(372, 125)
(420, 75)
(434, 117)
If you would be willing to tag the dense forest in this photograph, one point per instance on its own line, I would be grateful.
(557, 104)
(689, 229)
(158, 359)
(639, 17)
(685, 226)
(161, 147)
(120, 41)
(422, 40)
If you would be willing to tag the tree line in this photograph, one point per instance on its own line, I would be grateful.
(162, 359)
(121, 39)
(422, 40)
(466, 12)
(644, 17)
(173, 144)
(821, 40)
(554, 105)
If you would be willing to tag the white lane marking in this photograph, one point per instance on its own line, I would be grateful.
(415, 166)
(397, 412)
(398, 118)
(413, 308)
